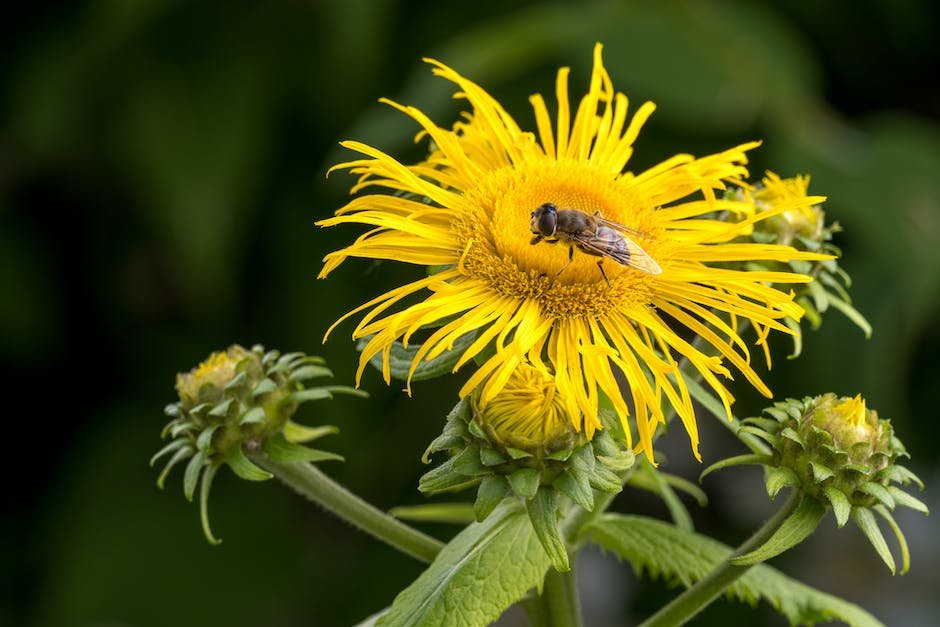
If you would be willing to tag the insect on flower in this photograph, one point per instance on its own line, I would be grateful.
(591, 234)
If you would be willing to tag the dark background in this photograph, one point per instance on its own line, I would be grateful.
(161, 166)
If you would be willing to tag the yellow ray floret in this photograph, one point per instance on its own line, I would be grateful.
(612, 332)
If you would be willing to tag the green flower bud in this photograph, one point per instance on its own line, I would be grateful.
(240, 401)
(840, 453)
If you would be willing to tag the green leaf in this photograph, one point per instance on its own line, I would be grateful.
(666, 552)
(444, 479)
(492, 491)
(778, 478)
(852, 314)
(486, 568)
(400, 359)
(244, 468)
(309, 372)
(457, 513)
(840, 504)
(543, 512)
(279, 449)
(796, 528)
(865, 521)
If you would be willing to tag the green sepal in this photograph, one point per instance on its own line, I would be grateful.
(191, 475)
(840, 504)
(865, 521)
(295, 432)
(769, 438)
(401, 357)
(454, 513)
(793, 436)
(280, 449)
(618, 463)
(560, 455)
(492, 457)
(605, 480)
(737, 460)
(576, 484)
(902, 541)
(244, 468)
(454, 433)
(238, 381)
(204, 441)
(265, 386)
(518, 453)
(476, 430)
(906, 500)
(796, 528)
(166, 450)
(899, 474)
(179, 456)
(543, 512)
(443, 479)
(207, 478)
(780, 477)
(222, 409)
(253, 416)
(879, 492)
(524, 482)
(583, 459)
(309, 372)
(492, 491)
(820, 472)
(468, 463)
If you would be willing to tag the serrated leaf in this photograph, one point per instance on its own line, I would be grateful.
(865, 521)
(279, 449)
(486, 568)
(543, 513)
(795, 528)
(244, 468)
(400, 359)
(492, 491)
(840, 504)
(668, 553)
(456, 513)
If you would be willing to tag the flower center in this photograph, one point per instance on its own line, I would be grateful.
(567, 281)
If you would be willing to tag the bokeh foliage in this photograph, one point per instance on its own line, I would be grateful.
(162, 163)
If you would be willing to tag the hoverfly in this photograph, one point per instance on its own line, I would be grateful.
(591, 234)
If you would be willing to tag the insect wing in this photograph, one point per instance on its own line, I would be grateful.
(618, 247)
(610, 224)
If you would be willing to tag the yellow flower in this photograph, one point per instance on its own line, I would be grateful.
(467, 209)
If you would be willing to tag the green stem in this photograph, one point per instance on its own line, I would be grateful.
(560, 597)
(310, 481)
(699, 596)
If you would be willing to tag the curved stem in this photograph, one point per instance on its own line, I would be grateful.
(310, 481)
(699, 596)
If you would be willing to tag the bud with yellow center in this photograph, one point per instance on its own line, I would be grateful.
(524, 443)
(240, 401)
(838, 452)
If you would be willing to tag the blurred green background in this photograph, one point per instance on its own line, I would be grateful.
(162, 163)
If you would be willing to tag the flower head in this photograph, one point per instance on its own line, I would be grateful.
(571, 311)
(838, 452)
(236, 402)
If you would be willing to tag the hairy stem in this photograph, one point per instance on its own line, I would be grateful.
(311, 482)
(698, 597)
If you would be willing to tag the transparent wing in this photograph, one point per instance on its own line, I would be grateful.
(620, 227)
(618, 247)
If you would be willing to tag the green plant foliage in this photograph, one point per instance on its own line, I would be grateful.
(486, 568)
(664, 551)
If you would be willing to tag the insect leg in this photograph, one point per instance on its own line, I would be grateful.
(600, 266)
(570, 257)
